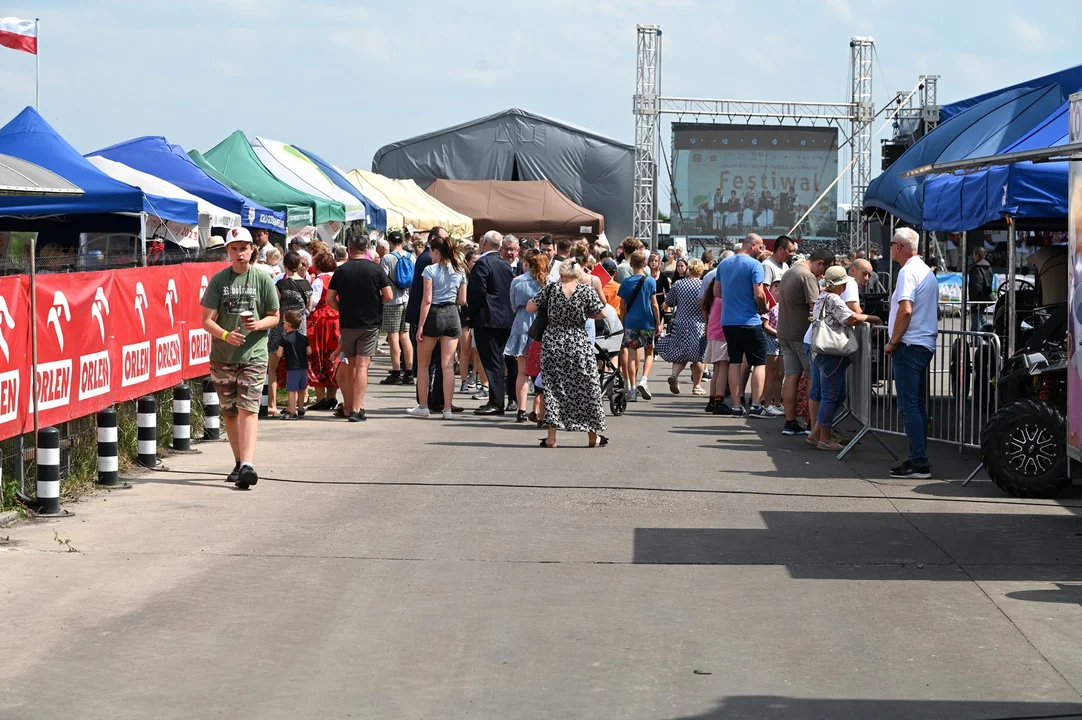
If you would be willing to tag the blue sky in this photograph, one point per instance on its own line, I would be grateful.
(342, 79)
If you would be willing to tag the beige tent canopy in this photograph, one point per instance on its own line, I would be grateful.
(517, 206)
(422, 215)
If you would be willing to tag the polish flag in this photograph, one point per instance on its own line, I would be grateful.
(19, 34)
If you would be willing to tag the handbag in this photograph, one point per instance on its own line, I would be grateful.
(540, 321)
(826, 340)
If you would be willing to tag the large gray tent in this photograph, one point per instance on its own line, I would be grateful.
(594, 171)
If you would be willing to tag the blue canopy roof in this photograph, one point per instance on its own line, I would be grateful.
(155, 156)
(377, 215)
(29, 137)
(1069, 80)
(955, 203)
(984, 129)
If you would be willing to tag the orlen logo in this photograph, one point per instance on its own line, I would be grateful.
(54, 378)
(9, 381)
(135, 358)
(95, 369)
(167, 355)
(198, 338)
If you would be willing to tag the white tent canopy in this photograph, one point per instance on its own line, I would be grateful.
(295, 169)
(210, 213)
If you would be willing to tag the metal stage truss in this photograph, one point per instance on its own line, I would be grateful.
(854, 118)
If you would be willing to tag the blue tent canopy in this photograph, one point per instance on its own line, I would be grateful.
(956, 203)
(29, 137)
(377, 215)
(984, 129)
(1069, 80)
(155, 156)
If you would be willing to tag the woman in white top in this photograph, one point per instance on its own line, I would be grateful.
(444, 293)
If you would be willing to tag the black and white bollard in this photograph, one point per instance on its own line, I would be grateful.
(212, 419)
(147, 420)
(263, 406)
(182, 417)
(108, 448)
(48, 459)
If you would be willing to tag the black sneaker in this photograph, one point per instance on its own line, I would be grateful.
(738, 411)
(793, 428)
(710, 405)
(232, 477)
(909, 470)
(358, 416)
(408, 378)
(395, 378)
(246, 477)
(720, 408)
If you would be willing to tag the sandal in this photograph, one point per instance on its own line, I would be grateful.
(545, 444)
(340, 411)
(831, 446)
(599, 441)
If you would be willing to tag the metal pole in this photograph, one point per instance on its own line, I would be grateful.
(143, 236)
(34, 328)
(965, 281)
(1010, 286)
(37, 62)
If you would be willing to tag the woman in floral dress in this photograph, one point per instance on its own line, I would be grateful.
(568, 364)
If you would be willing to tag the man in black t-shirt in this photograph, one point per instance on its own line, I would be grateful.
(358, 291)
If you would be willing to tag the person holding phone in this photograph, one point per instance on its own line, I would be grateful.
(239, 307)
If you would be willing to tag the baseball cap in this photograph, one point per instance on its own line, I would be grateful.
(835, 275)
(394, 236)
(238, 235)
(299, 239)
(610, 266)
(216, 241)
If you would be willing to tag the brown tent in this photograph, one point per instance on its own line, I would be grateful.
(522, 207)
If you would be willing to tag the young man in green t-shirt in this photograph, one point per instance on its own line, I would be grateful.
(239, 306)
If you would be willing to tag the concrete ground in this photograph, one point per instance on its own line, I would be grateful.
(698, 567)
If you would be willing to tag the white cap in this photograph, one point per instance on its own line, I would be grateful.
(237, 235)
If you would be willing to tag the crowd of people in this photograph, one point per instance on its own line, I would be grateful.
(769, 330)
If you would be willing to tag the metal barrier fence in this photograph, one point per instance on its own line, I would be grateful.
(960, 391)
(978, 314)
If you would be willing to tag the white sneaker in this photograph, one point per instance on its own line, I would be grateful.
(774, 411)
(448, 415)
(632, 395)
(644, 389)
(419, 411)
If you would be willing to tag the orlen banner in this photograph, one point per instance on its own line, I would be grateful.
(103, 338)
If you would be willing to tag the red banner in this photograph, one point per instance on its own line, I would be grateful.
(103, 338)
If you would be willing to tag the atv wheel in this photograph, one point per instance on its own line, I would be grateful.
(1025, 449)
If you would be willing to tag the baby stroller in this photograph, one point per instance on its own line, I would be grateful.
(608, 338)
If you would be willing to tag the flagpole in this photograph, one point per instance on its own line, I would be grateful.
(37, 36)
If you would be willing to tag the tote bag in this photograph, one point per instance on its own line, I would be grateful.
(825, 340)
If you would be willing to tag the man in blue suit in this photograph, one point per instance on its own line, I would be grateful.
(435, 400)
(488, 306)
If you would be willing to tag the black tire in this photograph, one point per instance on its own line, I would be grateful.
(618, 402)
(1025, 449)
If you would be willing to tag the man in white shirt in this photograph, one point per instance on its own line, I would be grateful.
(913, 327)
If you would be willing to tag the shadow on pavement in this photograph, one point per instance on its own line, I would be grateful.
(842, 545)
(1065, 594)
(769, 707)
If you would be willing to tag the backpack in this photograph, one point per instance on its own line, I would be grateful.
(403, 271)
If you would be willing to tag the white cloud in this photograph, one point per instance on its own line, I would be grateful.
(843, 10)
(1031, 35)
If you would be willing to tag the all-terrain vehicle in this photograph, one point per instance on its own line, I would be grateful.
(1024, 444)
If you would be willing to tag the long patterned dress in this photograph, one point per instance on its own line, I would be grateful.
(572, 386)
(686, 341)
(324, 337)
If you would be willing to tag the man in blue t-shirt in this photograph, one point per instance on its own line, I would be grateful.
(642, 322)
(739, 283)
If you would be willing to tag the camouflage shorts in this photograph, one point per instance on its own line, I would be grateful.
(238, 386)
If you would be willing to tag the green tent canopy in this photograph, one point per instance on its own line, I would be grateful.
(296, 215)
(235, 159)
